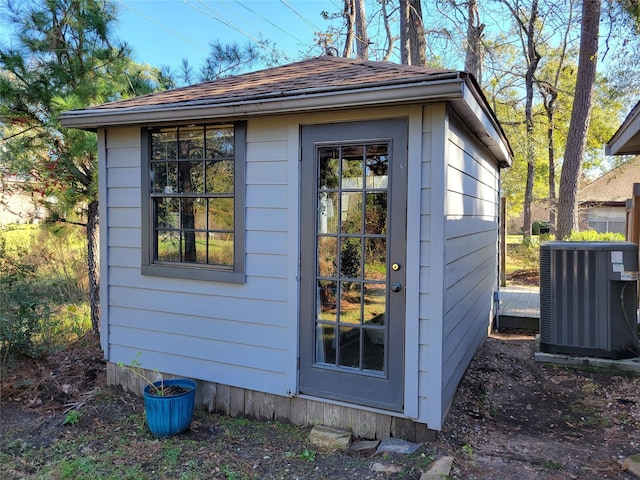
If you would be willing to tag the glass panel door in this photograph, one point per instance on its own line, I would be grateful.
(353, 246)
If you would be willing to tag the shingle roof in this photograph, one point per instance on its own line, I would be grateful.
(614, 187)
(315, 74)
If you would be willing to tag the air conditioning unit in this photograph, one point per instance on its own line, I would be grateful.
(589, 298)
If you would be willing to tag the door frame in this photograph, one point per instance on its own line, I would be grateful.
(396, 132)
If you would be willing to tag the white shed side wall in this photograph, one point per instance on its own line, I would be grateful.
(227, 333)
(470, 254)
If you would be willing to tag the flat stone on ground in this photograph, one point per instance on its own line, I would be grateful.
(330, 438)
(439, 470)
(631, 465)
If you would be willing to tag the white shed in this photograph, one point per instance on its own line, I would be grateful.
(316, 242)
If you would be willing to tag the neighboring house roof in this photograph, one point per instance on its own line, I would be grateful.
(316, 84)
(626, 141)
(614, 187)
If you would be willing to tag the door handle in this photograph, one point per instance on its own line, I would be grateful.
(396, 287)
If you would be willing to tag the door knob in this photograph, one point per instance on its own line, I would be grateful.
(396, 287)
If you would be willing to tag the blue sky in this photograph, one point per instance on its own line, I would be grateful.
(163, 32)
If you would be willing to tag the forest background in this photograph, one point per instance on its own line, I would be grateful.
(560, 75)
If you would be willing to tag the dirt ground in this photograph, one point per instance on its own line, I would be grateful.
(512, 419)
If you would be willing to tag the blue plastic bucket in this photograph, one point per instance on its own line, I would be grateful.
(169, 414)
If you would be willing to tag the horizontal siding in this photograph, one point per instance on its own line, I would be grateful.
(259, 288)
(180, 364)
(229, 308)
(250, 333)
(470, 276)
(234, 334)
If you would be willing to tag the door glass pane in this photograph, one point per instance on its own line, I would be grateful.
(351, 213)
(325, 344)
(351, 243)
(349, 355)
(373, 349)
(375, 258)
(327, 212)
(376, 213)
(374, 303)
(350, 302)
(328, 167)
(327, 300)
(350, 256)
(352, 171)
(327, 256)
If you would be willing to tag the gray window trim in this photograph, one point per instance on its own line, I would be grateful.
(197, 272)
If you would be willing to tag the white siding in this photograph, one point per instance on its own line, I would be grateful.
(470, 254)
(227, 333)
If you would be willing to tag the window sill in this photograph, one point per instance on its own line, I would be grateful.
(193, 273)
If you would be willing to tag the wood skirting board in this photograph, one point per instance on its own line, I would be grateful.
(234, 401)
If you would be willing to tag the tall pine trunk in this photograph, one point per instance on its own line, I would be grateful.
(580, 118)
(93, 251)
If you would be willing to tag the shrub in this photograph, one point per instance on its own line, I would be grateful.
(593, 236)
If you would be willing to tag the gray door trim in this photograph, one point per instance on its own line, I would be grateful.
(386, 389)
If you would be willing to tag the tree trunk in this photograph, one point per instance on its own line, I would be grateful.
(362, 40)
(532, 64)
(580, 118)
(349, 15)
(417, 39)
(93, 256)
(405, 45)
(550, 108)
(475, 53)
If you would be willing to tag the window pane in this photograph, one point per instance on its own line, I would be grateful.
(219, 176)
(219, 142)
(328, 166)
(221, 214)
(168, 246)
(191, 177)
(167, 213)
(164, 145)
(199, 212)
(191, 142)
(220, 249)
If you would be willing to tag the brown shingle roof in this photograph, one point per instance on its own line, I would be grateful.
(614, 187)
(315, 74)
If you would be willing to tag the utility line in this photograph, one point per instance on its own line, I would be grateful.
(217, 17)
(163, 27)
(301, 16)
(268, 21)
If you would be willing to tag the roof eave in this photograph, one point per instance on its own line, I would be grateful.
(626, 141)
(452, 88)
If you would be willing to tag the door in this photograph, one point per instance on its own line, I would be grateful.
(353, 249)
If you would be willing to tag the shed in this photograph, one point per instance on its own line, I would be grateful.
(315, 242)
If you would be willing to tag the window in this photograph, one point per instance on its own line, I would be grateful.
(194, 223)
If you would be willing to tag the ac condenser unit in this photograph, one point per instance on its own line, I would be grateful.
(588, 298)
